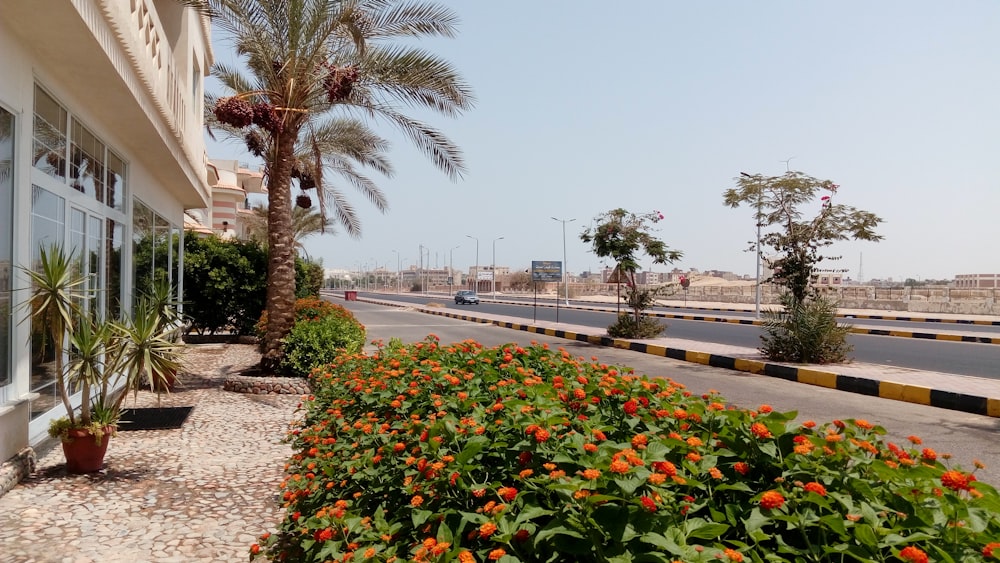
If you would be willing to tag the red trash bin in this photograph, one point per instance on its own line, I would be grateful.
(350, 295)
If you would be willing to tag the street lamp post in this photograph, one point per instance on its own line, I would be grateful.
(493, 268)
(756, 310)
(565, 271)
(475, 270)
(420, 271)
(451, 268)
(399, 264)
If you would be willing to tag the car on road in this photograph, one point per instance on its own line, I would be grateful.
(466, 297)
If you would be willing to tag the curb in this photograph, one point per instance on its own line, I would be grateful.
(963, 402)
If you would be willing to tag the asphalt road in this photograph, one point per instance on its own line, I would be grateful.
(961, 358)
(966, 437)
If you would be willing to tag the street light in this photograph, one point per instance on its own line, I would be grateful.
(475, 275)
(451, 267)
(493, 268)
(565, 271)
(756, 310)
(399, 267)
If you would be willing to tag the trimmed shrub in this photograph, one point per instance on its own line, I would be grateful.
(308, 278)
(627, 327)
(224, 284)
(322, 332)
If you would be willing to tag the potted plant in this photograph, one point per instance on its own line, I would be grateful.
(161, 318)
(110, 359)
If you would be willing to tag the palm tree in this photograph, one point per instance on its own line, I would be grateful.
(305, 223)
(310, 66)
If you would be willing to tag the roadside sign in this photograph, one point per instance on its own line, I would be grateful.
(616, 277)
(546, 270)
(481, 275)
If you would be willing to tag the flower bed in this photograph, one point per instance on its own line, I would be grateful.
(464, 453)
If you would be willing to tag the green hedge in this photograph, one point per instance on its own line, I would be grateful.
(322, 332)
(225, 283)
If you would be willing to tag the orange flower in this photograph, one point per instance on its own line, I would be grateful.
(648, 503)
(507, 493)
(913, 554)
(466, 557)
(487, 529)
(863, 424)
(590, 447)
(815, 487)
(619, 466)
(591, 474)
(772, 500)
(715, 473)
(988, 549)
(916, 441)
(497, 554)
(733, 555)
(955, 480)
(417, 500)
(741, 467)
(759, 430)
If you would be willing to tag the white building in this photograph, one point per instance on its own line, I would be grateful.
(101, 151)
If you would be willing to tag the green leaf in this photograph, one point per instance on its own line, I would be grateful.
(756, 520)
(418, 517)
(471, 450)
(865, 535)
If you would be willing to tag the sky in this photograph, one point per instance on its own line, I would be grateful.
(586, 106)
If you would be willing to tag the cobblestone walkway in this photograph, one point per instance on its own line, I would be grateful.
(202, 492)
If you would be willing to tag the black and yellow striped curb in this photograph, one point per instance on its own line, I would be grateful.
(979, 322)
(852, 384)
(757, 322)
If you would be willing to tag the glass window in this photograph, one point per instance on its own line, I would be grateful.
(49, 130)
(6, 238)
(142, 247)
(87, 159)
(115, 182)
(47, 223)
(95, 257)
(156, 249)
(113, 249)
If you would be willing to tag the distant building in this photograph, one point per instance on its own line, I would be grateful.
(977, 281)
(828, 278)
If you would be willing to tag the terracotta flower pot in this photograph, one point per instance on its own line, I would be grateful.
(84, 454)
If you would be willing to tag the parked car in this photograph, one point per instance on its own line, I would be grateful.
(466, 297)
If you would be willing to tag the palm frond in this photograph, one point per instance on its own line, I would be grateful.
(415, 77)
(408, 19)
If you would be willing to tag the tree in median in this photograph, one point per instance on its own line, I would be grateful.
(306, 67)
(621, 235)
(806, 331)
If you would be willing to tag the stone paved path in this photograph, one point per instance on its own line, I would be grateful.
(203, 492)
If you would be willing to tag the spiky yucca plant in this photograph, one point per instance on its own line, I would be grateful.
(805, 332)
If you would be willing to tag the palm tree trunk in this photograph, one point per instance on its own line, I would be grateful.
(280, 304)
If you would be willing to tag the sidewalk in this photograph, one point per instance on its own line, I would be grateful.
(202, 492)
(975, 395)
